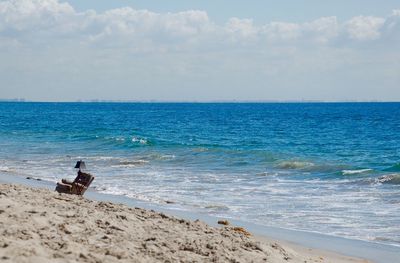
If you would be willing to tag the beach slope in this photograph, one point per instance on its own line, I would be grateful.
(38, 225)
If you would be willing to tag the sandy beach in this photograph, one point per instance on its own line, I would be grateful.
(199, 131)
(38, 225)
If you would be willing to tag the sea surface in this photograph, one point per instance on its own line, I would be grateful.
(332, 168)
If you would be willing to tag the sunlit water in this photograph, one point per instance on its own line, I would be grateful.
(329, 168)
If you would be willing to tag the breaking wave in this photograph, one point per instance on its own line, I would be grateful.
(4, 169)
(358, 171)
(133, 163)
(390, 179)
(123, 140)
(140, 140)
(292, 165)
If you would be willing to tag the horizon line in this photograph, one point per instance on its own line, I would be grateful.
(22, 100)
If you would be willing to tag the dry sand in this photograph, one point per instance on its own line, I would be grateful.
(38, 225)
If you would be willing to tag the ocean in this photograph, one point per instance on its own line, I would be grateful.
(332, 168)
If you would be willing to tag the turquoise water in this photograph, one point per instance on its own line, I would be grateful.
(330, 168)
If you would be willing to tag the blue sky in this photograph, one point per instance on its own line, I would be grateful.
(200, 50)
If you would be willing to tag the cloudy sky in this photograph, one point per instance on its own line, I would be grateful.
(210, 50)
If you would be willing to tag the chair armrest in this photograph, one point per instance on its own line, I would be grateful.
(79, 185)
(78, 188)
(63, 188)
(65, 181)
(64, 185)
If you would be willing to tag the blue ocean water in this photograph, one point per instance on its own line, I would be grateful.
(332, 168)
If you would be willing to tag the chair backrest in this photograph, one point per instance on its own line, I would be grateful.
(84, 179)
(81, 183)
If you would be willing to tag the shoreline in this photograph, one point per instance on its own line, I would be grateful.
(308, 243)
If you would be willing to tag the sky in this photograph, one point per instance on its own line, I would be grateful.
(209, 50)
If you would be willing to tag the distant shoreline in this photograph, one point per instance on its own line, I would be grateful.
(200, 102)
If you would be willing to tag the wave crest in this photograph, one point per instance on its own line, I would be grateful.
(295, 165)
(140, 140)
(357, 171)
(390, 179)
(133, 163)
(4, 169)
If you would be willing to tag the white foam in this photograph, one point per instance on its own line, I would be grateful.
(139, 140)
(124, 166)
(267, 174)
(328, 206)
(359, 171)
(390, 179)
(4, 169)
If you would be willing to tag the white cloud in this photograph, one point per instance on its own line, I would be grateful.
(24, 20)
(143, 22)
(31, 14)
(364, 27)
(241, 28)
(322, 29)
(391, 28)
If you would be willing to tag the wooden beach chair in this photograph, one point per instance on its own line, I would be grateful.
(78, 186)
